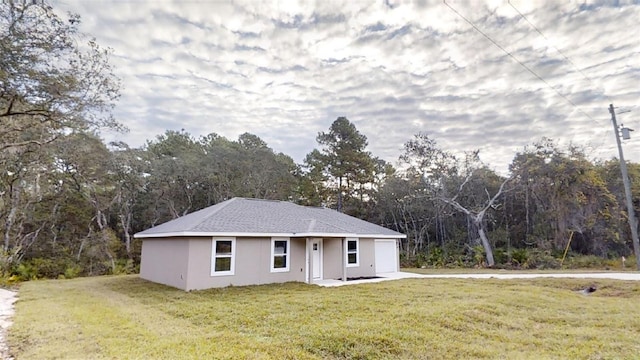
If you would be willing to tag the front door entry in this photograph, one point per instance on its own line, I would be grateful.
(316, 259)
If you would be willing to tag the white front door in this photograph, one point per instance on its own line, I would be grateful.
(316, 258)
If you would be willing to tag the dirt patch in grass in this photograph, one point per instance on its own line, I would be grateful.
(603, 288)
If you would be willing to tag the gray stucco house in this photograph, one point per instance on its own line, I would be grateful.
(248, 241)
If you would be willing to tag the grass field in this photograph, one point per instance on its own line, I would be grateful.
(440, 271)
(125, 317)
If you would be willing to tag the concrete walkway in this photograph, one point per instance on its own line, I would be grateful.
(382, 277)
(633, 276)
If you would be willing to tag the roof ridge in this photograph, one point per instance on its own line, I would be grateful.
(254, 199)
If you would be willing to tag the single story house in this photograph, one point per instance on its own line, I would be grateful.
(249, 241)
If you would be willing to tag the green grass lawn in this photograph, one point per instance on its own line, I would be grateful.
(124, 317)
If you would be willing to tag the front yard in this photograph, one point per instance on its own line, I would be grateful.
(124, 317)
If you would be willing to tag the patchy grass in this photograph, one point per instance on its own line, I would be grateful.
(124, 317)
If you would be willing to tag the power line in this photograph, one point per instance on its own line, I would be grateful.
(585, 76)
(520, 62)
(555, 48)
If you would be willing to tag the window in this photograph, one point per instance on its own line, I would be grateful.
(223, 256)
(279, 255)
(353, 255)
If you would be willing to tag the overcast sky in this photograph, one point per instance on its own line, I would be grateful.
(285, 70)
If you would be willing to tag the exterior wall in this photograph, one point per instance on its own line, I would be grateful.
(334, 259)
(164, 260)
(367, 260)
(185, 263)
(252, 263)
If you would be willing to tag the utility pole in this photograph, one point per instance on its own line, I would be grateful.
(627, 190)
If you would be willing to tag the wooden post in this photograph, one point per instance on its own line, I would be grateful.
(566, 249)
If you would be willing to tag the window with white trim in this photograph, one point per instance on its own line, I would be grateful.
(223, 256)
(280, 254)
(353, 252)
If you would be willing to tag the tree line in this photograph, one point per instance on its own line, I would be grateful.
(70, 203)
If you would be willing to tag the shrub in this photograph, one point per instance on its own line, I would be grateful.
(479, 256)
(519, 256)
(72, 271)
(436, 257)
(124, 267)
(500, 256)
(26, 271)
(574, 261)
(542, 260)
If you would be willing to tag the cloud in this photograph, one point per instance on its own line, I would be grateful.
(286, 70)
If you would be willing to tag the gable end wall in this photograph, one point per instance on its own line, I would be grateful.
(164, 260)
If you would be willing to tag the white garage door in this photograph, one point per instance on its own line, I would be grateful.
(386, 256)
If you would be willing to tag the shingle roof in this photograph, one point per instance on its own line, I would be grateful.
(253, 217)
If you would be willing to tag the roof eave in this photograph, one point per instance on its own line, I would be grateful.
(238, 234)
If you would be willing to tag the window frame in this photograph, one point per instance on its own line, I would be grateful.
(287, 255)
(356, 252)
(215, 256)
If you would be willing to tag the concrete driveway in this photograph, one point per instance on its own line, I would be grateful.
(633, 276)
